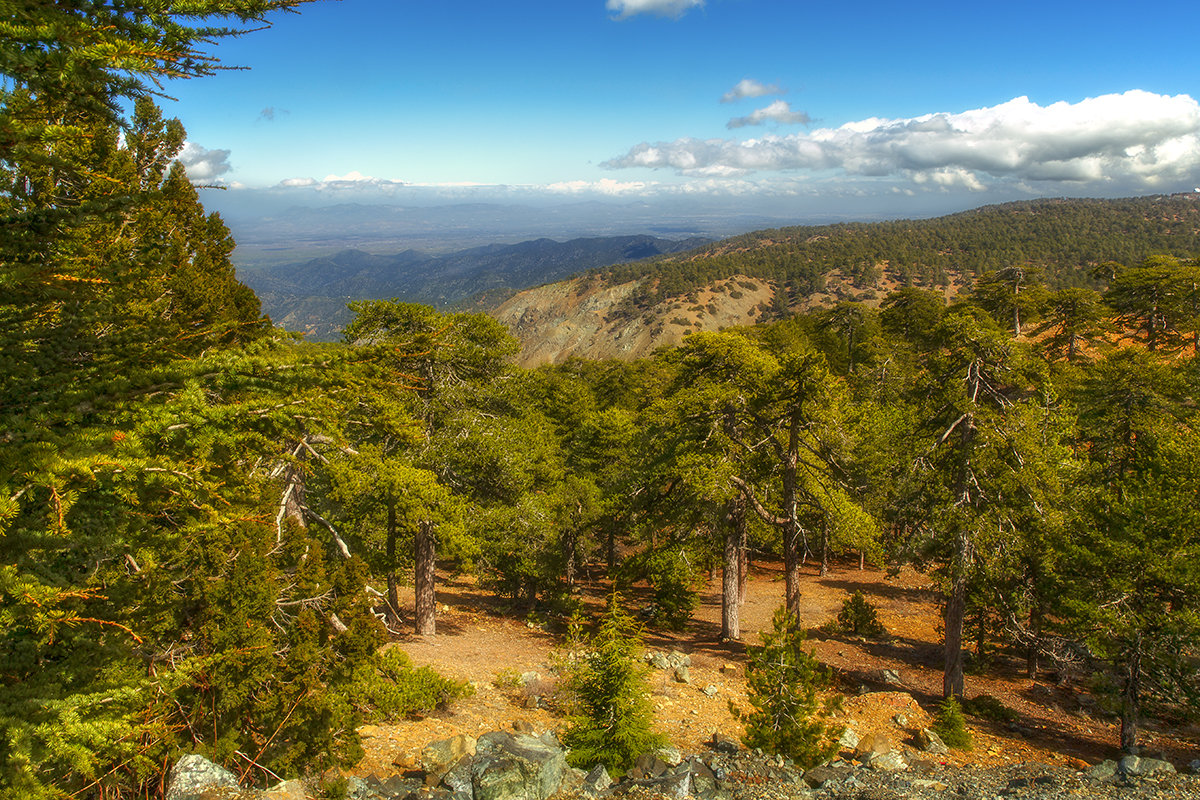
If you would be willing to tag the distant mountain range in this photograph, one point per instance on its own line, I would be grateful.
(311, 296)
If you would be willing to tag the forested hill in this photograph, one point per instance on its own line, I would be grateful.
(629, 310)
(311, 296)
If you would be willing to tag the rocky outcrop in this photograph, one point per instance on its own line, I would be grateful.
(582, 317)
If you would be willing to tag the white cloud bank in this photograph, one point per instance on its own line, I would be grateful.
(623, 9)
(1136, 139)
(748, 87)
(779, 111)
(203, 165)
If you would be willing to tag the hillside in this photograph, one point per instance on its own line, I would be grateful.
(628, 311)
(311, 296)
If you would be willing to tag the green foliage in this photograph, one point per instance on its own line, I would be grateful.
(610, 722)
(950, 724)
(858, 617)
(391, 688)
(783, 681)
(673, 582)
(985, 706)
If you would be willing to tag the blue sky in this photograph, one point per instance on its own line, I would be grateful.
(869, 105)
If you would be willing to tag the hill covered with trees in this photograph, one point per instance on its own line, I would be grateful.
(205, 522)
(630, 310)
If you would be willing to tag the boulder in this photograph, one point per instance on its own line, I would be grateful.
(683, 674)
(722, 743)
(675, 785)
(876, 750)
(826, 774)
(437, 758)
(1104, 771)
(930, 742)
(1144, 767)
(517, 767)
(596, 781)
(849, 739)
(1194, 766)
(669, 755)
(193, 775)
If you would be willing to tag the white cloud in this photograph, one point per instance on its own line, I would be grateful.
(623, 9)
(748, 87)
(1136, 139)
(779, 111)
(203, 165)
(353, 180)
(604, 186)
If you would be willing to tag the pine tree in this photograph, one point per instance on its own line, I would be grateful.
(788, 716)
(611, 719)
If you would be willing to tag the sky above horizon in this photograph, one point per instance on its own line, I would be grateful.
(781, 105)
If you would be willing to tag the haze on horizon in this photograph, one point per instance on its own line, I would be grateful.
(677, 108)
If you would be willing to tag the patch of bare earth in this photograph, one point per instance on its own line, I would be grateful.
(481, 641)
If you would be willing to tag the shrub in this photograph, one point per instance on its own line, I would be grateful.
(951, 725)
(672, 579)
(782, 680)
(610, 715)
(392, 688)
(859, 617)
(987, 707)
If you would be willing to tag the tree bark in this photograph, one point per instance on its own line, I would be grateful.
(393, 582)
(1131, 700)
(735, 526)
(424, 579)
(824, 551)
(956, 605)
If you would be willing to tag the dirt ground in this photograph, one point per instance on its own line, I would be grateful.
(481, 641)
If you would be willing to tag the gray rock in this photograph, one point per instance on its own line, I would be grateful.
(648, 765)
(891, 677)
(1195, 766)
(674, 785)
(722, 743)
(194, 774)
(930, 742)
(901, 720)
(682, 674)
(572, 780)
(711, 690)
(826, 774)
(1104, 771)
(517, 767)
(1143, 767)
(437, 758)
(849, 739)
(678, 659)
(596, 781)
(669, 755)
(658, 660)
(891, 761)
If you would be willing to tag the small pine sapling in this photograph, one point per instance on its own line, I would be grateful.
(951, 725)
(858, 617)
(788, 716)
(611, 718)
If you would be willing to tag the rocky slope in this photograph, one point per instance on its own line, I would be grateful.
(585, 318)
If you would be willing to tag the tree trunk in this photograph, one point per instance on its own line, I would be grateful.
(735, 525)
(1032, 667)
(1131, 700)
(862, 560)
(824, 550)
(571, 545)
(393, 582)
(743, 566)
(956, 604)
(791, 530)
(424, 579)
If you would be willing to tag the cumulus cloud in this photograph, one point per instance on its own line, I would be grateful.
(203, 165)
(1137, 139)
(623, 9)
(748, 87)
(779, 111)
